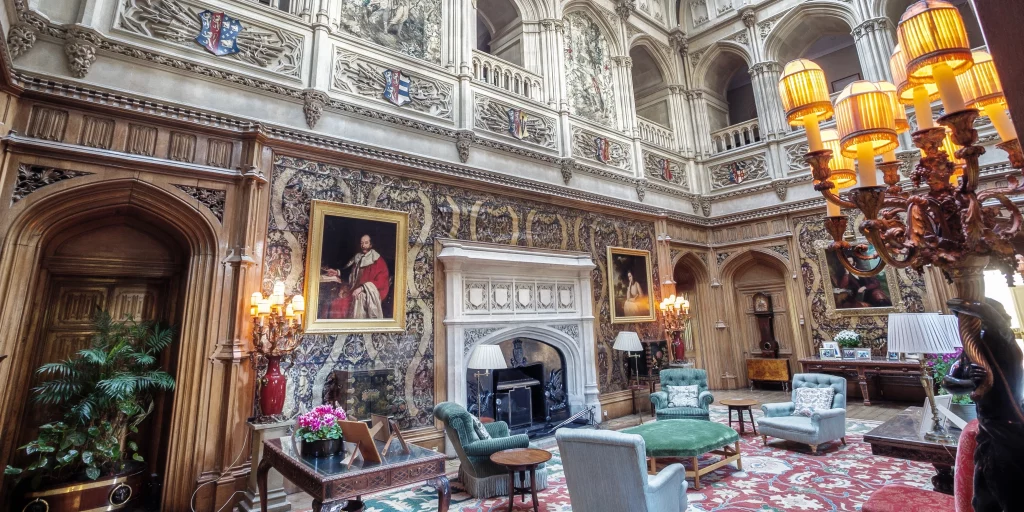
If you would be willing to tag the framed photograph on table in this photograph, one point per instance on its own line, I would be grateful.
(893, 356)
(829, 353)
(355, 269)
(926, 412)
(629, 285)
(862, 354)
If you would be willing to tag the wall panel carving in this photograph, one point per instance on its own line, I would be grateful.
(585, 145)
(35, 177)
(141, 140)
(665, 169)
(97, 132)
(435, 211)
(493, 115)
(738, 172)
(354, 74)
(47, 123)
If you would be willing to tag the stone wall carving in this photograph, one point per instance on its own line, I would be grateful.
(80, 45)
(211, 198)
(738, 172)
(354, 74)
(177, 22)
(795, 157)
(585, 144)
(493, 115)
(436, 210)
(660, 168)
(20, 39)
(471, 336)
(412, 27)
(588, 76)
(35, 177)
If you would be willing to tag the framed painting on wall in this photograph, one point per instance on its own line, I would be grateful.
(847, 294)
(355, 269)
(629, 285)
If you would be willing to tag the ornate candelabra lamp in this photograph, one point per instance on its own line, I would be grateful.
(676, 315)
(276, 332)
(950, 223)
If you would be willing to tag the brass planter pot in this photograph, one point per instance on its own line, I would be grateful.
(110, 493)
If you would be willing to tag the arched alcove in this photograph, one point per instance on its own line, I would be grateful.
(691, 280)
(499, 30)
(732, 110)
(650, 87)
(822, 35)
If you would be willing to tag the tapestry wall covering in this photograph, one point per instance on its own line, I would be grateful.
(588, 73)
(435, 211)
(825, 324)
(412, 27)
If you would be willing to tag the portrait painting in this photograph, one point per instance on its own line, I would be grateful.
(851, 294)
(629, 285)
(355, 269)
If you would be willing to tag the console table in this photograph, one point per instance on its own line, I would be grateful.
(864, 371)
(769, 370)
(329, 480)
(900, 437)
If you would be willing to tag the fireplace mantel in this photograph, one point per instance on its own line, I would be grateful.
(497, 292)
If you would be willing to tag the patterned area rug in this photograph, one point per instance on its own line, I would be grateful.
(780, 477)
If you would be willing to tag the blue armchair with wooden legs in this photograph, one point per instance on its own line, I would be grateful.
(481, 477)
(683, 377)
(821, 427)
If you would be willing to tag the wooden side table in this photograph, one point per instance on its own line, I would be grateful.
(521, 460)
(739, 405)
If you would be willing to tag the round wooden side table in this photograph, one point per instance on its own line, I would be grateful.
(739, 405)
(521, 460)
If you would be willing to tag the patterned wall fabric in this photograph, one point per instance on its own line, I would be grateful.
(436, 211)
(588, 74)
(823, 325)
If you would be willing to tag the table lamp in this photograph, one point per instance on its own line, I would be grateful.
(925, 333)
(629, 341)
(486, 358)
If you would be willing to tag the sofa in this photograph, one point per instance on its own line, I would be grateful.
(683, 377)
(606, 471)
(481, 477)
(821, 427)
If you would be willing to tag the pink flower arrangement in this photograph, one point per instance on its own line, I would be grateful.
(321, 423)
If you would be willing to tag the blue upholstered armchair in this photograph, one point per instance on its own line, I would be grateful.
(683, 377)
(606, 471)
(821, 427)
(481, 477)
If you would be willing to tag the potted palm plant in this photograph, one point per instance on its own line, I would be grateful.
(103, 393)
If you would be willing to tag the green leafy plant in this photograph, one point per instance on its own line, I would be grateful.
(321, 423)
(104, 393)
(940, 364)
(847, 339)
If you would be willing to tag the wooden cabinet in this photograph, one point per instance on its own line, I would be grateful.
(769, 370)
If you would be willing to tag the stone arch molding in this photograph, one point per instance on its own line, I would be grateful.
(736, 260)
(801, 13)
(708, 56)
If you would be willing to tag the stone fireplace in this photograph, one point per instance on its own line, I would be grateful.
(497, 294)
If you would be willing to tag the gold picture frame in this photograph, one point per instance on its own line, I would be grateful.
(621, 263)
(340, 299)
(888, 277)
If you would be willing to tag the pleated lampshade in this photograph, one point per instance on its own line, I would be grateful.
(804, 91)
(864, 115)
(980, 85)
(898, 111)
(904, 91)
(932, 32)
(487, 357)
(924, 333)
(843, 175)
(628, 341)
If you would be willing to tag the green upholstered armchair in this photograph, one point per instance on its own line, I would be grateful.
(481, 477)
(683, 377)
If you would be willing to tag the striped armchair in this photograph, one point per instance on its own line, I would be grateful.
(481, 477)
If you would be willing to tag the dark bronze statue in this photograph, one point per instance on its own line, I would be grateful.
(999, 456)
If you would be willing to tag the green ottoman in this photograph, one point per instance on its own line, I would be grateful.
(689, 439)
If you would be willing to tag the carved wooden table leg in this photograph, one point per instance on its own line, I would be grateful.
(261, 481)
(444, 492)
(862, 378)
(942, 481)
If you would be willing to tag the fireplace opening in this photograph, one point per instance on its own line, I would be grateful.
(530, 395)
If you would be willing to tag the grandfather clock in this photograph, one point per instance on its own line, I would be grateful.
(765, 326)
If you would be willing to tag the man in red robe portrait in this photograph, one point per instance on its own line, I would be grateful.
(362, 291)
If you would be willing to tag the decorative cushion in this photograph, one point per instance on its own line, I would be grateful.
(810, 399)
(683, 396)
(901, 498)
(963, 476)
(478, 427)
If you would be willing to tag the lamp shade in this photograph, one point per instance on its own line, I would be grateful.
(980, 85)
(926, 333)
(843, 175)
(904, 91)
(899, 113)
(804, 92)
(487, 357)
(864, 116)
(932, 32)
(628, 341)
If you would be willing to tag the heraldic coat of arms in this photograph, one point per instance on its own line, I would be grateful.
(218, 33)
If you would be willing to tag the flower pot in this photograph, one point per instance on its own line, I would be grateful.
(114, 492)
(322, 448)
(273, 388)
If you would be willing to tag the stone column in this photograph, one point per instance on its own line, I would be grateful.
(464, 21)
(277, 499)
(875, 39)
(627, 108)
(771, 116)
(682, 122)
(551, 61)
(701, 123)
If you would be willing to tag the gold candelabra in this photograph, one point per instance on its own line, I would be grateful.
(676, 315)
(276, 322)
(950, 224)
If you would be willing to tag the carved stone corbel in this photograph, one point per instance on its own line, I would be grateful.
(679, 41)
(780, 188)
(566, 166)
(749, 16)
(463, 140)
(80, 48)
(705, 205)
(641, 189)
(20, 39)
(313, 103)
(624, 8)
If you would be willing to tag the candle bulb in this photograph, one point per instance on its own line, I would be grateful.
(1001, 121)
(810, 122)
(832, 209)
(923, 108)
(949, 91)
(866, 171)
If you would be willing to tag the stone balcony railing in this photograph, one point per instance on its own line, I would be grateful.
(736, 136)
(507, 76)
(656, 134)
